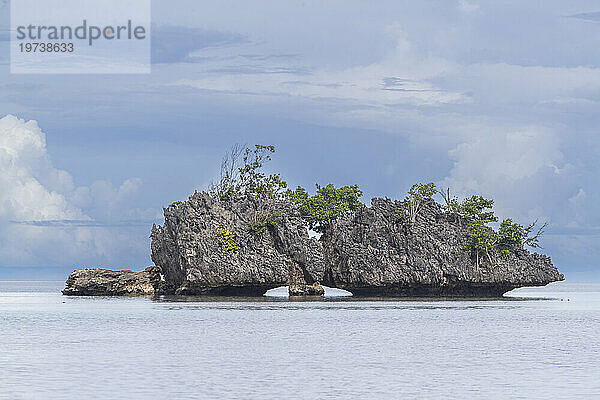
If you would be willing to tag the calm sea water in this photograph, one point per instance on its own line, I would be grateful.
(538, 344)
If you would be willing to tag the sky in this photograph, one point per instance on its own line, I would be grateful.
(493, 98)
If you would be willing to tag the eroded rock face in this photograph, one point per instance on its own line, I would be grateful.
(208, 246)
(376, 252)
(104, 282)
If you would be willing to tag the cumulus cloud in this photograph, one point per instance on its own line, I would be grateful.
(523, 169)
(491, 157)
(31, 188)
(44, 218)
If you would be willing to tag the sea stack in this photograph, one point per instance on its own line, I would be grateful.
(243, 247)
(209, 246)
(378, 252)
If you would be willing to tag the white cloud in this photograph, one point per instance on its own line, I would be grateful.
(401, 78)
(31, 188)
(34, 195)
(517, 167)
(529, 84)
(579, 205)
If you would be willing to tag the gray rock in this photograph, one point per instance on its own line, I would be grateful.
(377, 252)
(194, 260)
(208, 246)
(306, 290)
(104, 282)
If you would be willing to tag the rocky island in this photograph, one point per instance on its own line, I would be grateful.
(248, 234)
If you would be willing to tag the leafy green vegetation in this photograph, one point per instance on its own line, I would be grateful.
(478, 208)
(242, 174)
(472, 208)
(261, 221)
(327, 205)
(226, 238)
(481, 240)
(175, 203)
(417, 195)
(511, 233)
(451, 204)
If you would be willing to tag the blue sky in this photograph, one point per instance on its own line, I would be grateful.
(487, 97)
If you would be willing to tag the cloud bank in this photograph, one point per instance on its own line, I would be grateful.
(45, 219)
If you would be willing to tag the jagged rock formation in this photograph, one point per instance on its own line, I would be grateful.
(208, 246)
(104, 282)
(378, 252)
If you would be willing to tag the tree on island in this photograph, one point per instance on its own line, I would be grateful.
(481, 240)
(417, 195)
(512, 234)
(478, 211)
(327, 205)
(242, 174)
(478, 208)
(452, 206)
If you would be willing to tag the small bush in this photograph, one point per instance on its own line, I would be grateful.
(261, 221)
(226, 238)
(511, 234)
(481, 240)
(175, 203)
(242, 174)
(325, 207)
(475, 208)
(418, 194)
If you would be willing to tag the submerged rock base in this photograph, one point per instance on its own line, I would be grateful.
(463, 290)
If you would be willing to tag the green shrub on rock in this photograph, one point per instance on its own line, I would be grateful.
(481, 240)
(261, 221)
(327, 205)
(226, 238)
(417, 195)
(511, 234)
(515, 235)
(242, 174)
(478, 208)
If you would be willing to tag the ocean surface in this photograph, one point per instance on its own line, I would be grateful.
(537, 343)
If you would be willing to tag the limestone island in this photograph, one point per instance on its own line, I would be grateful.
(248, 233)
